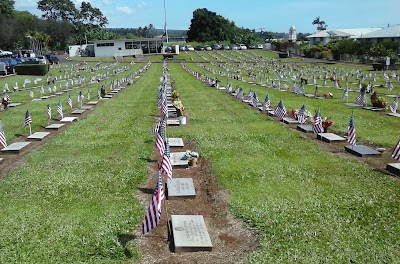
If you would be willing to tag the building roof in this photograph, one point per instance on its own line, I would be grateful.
(131, 40)
(354, 32)
(389, 32)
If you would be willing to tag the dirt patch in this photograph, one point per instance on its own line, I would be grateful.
(232, 240)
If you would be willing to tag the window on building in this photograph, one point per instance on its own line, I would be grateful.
(105, 44)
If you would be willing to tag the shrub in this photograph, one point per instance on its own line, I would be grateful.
(377, 66)
(32, 69)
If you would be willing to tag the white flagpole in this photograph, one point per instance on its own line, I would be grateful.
(165, 19)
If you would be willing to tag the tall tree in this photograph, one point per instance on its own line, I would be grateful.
(61, 10)
(6, 7)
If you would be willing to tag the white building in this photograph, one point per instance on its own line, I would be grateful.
(292, 34)
(325, 36)
(385, 34)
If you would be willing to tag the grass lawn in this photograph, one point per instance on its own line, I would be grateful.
(73, 199)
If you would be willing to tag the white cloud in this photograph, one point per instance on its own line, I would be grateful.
(126, 10)
(141, 5)
(107, 2)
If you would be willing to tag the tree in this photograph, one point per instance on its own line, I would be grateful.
(38, 40)
(320, 23)
(59, 10)
(6, 7)
(91, 16)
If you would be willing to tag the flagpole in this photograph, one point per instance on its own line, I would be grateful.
(30, 129)
(165, 20)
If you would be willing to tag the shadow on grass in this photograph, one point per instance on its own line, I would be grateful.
(148, 159)
(124, 239)
(146, 190)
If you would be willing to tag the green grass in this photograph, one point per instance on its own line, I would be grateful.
(307, 205)
(71, 200)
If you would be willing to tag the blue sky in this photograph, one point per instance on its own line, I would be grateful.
(276, 16)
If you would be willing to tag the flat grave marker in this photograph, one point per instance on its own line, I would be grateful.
(177, 159)
(190, 233)
(353, 105)
(15, 148)
(1, 160)
(38, 136)
(45, 97)
(59, 93)
(393, 168)
(87, 107)
(93, 102)
(36, 99)
(108, 96)
(78, 111)
(173, 122)
(305, 128)
(175, 142)
(14, 104)
(330, 137)
(289, 120)
(181, 188)
(69, 119)
(54, 126)
(309, 95)
(361, 151)
(394, 114)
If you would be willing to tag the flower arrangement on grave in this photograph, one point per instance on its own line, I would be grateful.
(190, 155)
(326, 122)
(328, 95)
(177, 103)
(378, 101)
(307, 114)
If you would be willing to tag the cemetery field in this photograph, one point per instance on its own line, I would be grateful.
(75, 198)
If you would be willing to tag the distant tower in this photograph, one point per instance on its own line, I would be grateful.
(292, 34)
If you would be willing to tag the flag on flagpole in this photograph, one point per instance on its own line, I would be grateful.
(160, 144)
(80, 97)
(28, 119)
(42, 89)
(3, 141)
(69, 101)
(393, 106)
(88, 95)
(280, 111)
(317, 127)
(59, 109)
(361, 98)
(254, 99)
(267, 103)
(300, 115)
(153, 212)
(351, 132)
(396, 152)
(31, 93)
(166, 166)
(48, 112)
(345, 93)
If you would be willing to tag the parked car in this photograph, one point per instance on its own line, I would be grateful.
(28, 53)
(182, 48)
(19, 60)
(259, 46)
(3, 69)
(53, 59)
(199, 48)
(207, 47)
(5, 53)
(225, 47)
(189, 48)
(217, 47)
(42, 59)
(242, 47)
(234, 47)
(10, 65)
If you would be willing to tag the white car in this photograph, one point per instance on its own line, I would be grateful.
(5, 53)
(207, 48)
(42, 59)
(242, 47)
(189, 48)
(259, 46)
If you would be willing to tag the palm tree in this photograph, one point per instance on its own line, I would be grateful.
(151, 28)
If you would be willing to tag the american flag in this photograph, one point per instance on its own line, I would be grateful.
(167, 149)
(59, 109)
(7, 96)
(389, 86)
(42, 89)
(300, 115)
(396, 152)
(3, 141)
(351, 132)
(160, 144)
(317, 127)
(153, 213)
(254, 100)
(69, 101)
(361, 98)
(28, 119)
(345, 93)
(80, 97)
(280, 111)
(31, 94)
(48, 112)
(166, 166)
(98, 93)
(88, 95)
(393, 106)
(267, 103)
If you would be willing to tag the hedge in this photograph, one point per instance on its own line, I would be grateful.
(32, 69)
